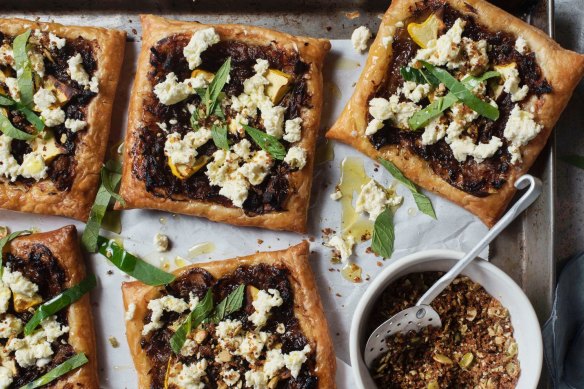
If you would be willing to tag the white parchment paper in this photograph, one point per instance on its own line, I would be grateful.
(455, 229)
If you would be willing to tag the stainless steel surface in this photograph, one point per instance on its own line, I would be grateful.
(525, 250)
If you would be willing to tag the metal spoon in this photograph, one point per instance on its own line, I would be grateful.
(422, 314)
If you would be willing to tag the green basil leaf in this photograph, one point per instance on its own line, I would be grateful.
(422, 117)
(219, 134)
(267, 142)
(196, 317)
(110, 182)
(6, 101)
(573, 159)
(8, 129)
(23, 68)
(462, 93)
(422, 201)
(424, 204)
(219, 112)
(70, 364)
(383, 234)
(112, 170)
(132, 265)
(31, 117)
(4, 241)
(57, 303)
(232, 303)
(114, 166)
(216, 86)
(472, 81)
(409, 73)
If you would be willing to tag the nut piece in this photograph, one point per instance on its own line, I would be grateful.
(440, 358)
(224, 356)
(200, 336)
(466, 360)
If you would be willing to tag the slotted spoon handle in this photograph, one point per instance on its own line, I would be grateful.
(525, 201)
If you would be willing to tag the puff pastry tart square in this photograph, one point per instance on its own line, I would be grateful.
(461, 97)
(238, 148)
(58, 85)
(37, 268)
(277, 337)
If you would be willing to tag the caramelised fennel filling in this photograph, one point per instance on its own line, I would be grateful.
(46, 84)
(474, 348)
(459, 96)
(256, 343)
(236, 149)
(26, 283)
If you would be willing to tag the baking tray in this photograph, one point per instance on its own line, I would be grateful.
(525, 250)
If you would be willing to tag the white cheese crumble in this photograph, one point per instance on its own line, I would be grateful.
(94, 84)
(53, 117)
(263, 304)
(476, 52)
(521, 45)
(444, 51)
(6, 376)
(415, 92)
(35, 349)
(10, 326)
(360, 37)
(170, 91)
(273, 119)
(242, 149)
(13, 88)
(464, 147)
(227, 333)
(252, 345)
(293, 130)
(224, 172)
(295, 359)
(160, 242)
(296, 157)
(383, 109)
(434, 131)
(75, 125)
(191, 375)
(184, 151)
(158, 306)
(6, 55)
(5, 296)
(519, 130)
(200, 41)
(343, 245)
(256, 379)
(257, 168)
(18, 283)
(55, 41)
(230, 377)
(33, 166)
(129, 315)
(386, 41)
(274, 362)
(44, 98)
(511, 78)
(9, 167)
(374, 198)
(77, 71)
(336, 195)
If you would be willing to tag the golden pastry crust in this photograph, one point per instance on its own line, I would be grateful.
(307, 307)
(562, 68)
(311, 50)
(64, 246)
(43, 197)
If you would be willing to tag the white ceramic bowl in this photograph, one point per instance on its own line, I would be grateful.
(527, 332)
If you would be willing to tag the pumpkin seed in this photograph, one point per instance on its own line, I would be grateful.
(466, 360)
(440, 358)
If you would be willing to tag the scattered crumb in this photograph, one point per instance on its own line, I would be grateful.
(3, 231)
(260, 241)
(161, 242)
(338, 295)
(328, 28)
(352, 15)
(379, 263)
(311, 239)
(369, 250)
(114, 342)
(110, 272)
